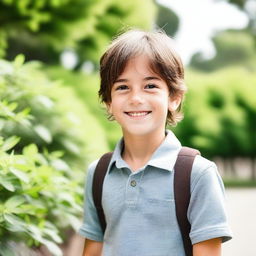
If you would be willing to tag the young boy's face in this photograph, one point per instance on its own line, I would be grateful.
(140, 99)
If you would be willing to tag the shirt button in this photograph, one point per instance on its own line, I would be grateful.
(133, 183)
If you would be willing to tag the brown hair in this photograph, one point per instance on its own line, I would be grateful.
(164, 61)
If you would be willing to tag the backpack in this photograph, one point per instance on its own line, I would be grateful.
(182, 173)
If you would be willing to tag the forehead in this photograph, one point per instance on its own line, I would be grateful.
(139, 65)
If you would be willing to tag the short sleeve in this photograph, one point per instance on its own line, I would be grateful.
(90, 228)
(206, 212)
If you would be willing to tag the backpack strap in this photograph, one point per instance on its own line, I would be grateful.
(182, 173)
(97, 185)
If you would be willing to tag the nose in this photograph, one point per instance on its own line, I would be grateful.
(136, 97)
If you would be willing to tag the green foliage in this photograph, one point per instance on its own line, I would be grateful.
(42, 29)
(167, 20)
(3, 43)
(58, 120)
(118, 15)
(33, 193)
(220, 111)
(47, 137)
(240, 183)
(233, 48)
(239, 3)
(33, 197)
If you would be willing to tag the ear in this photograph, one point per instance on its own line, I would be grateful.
(109, 108)
(174, 103)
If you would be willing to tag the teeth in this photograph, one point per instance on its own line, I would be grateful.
(137, 113)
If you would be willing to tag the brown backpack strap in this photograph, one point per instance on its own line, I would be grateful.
(182, 173)
(97, 185)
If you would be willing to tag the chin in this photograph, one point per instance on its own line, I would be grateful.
(139, 131)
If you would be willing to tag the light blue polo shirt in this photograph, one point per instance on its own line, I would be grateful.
(140, 209)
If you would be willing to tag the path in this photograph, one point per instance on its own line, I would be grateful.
(241, 204)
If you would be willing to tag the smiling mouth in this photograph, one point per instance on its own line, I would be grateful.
(138, 113)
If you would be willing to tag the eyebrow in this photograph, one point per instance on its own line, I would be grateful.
(121, 80)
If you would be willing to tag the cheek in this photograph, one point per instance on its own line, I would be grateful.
(164, 102)
(116, 105)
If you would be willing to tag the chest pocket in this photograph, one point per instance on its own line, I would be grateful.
(157, 199)
(159, 212)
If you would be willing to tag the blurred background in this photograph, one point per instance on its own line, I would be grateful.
(52, 124)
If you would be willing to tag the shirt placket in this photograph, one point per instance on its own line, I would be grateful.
(133, 188)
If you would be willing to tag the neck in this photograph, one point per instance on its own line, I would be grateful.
(138, 149)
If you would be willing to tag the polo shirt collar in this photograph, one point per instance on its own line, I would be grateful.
(164, 156)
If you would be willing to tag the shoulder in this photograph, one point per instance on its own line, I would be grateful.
(92, 167)
(90, 171)
(207, 206)
(105, 161)
(204, 169)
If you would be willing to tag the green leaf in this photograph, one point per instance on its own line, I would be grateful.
(44, 133)
(14, 202)
(12, 106)
(16, 228)
(53, 234)
(53, 248)
(72, 147)
(60, 165)
(13, 220)
(21, 175)
(30, 151)
(19, 60)
(45, 101)
(74, 221)
(10, 143)
(30, 209)
(8, 185)
(1, 216)
(35, 232)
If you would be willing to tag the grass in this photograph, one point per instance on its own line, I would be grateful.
(240, 183)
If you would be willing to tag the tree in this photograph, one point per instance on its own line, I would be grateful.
(43, 29)
(167, 20)
(233, 47)
(249, 7)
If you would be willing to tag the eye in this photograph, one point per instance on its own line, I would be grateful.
(151, 86)
(122, 87)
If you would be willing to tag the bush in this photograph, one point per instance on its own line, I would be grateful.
(220, 111)
(47, 138)
(37, 200)
(59, 120)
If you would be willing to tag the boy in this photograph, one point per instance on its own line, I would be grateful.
(142, 85)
